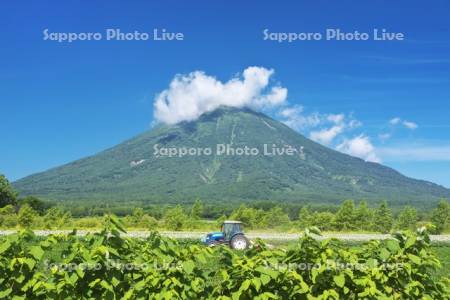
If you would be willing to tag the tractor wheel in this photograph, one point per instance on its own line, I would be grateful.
(239, 242)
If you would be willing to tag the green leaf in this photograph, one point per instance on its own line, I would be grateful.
(269, 295)
(36, 252)
(415, 259)
(30, 263)
(140, 285)
(256, 283)
(410, 241)
(224, 274)
(73, 278)
(339, 280)
(236, 295)
(372, 263)
(304, 287)
(116, 222)
(264, 279)
(201, 258)
(245, 285)
(188, 266)
(384, 254)
(106, 286)
(393, 245)
(115, 282)
(315, 230)
(263, 270)
(4, 246)
(5, 293)
(80, 272)
(94, 282)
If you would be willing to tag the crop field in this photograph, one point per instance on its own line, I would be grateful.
(109, 265)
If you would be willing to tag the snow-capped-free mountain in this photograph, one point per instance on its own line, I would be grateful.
(214, 158)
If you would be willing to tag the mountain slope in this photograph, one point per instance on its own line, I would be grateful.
(131, 171)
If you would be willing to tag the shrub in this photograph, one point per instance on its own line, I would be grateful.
(26, 216)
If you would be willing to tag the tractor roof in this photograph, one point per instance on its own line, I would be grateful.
(232, 222)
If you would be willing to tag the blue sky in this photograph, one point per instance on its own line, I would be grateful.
(63, 101)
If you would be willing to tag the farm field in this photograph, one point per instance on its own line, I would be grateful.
(108, 265)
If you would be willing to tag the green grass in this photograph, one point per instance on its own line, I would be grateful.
(442, 251)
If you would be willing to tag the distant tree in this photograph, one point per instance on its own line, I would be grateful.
(7, 210)
(407, 218)
(247, 215)
(275, 217)
(305, 217)
(56, 218)
(197, 209)
(382, 220)
(26, 216)
(37, 204)
(138, 213)
(440, 217)
(323, 220)
(8, 216)
(148, 222)
(363, 216)
(175, 218)
(140, 219)
(7, 194)
(345, 217)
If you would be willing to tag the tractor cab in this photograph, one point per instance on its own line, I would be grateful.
(230, 233)
(230, 228)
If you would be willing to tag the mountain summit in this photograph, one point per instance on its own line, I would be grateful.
(228, 154)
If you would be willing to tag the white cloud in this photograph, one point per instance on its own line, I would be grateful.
(354, 123)
(326, 136)
(410, 125)
(294, 117)
(336, 118)
(339, 124)
(189, 96)
(407, 124)
(395, 121)
(361, 147)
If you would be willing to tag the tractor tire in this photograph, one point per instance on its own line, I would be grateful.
(239, 242)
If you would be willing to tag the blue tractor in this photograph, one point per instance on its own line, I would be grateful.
(231, 233)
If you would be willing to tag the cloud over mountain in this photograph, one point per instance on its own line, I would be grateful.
(191, 95)
(359, 146)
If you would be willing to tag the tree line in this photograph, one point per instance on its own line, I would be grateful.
(33, 212)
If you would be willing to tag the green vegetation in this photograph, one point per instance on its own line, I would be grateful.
(383, 218)
(130, 172)
(106, 265)
(348, 217)
(26, 216)
(442, 251)
(8, 195)
(441, 216)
